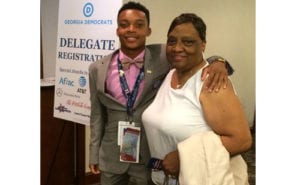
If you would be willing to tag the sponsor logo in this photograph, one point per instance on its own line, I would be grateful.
(78, 104)
(82, 91)
(80, 114)
(88, 9)
(82, 81)
(71, 95)
(62, 108)
(59, 92)
(66, 81)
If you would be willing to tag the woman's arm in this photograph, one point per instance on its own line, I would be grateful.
(225, 115)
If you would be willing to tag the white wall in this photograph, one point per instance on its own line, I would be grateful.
(49, 22)
(230, 33)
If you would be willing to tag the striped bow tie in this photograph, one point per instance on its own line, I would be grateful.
(127, 62)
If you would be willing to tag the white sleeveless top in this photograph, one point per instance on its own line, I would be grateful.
(173, 116)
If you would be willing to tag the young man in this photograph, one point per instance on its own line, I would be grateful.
(120, 92)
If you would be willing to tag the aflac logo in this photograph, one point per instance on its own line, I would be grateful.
(66, 81)
(82, 81)
(88, 9)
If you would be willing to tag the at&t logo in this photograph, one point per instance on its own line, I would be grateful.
(82, 81)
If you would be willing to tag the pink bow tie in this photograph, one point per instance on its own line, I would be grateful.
(127, 62)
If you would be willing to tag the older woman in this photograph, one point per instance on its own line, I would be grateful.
(182, 108)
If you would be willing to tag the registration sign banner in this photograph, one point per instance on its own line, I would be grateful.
(86, 33)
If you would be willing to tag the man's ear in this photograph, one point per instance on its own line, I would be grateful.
(149, 31)
(203, 45)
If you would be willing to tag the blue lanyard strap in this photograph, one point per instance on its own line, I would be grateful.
(130, 96)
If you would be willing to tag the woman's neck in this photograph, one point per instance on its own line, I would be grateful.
(180, 77)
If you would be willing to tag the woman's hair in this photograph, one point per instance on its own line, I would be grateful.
(190, 18)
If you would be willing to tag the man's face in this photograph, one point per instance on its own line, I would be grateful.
(132, 30)
(184, 47)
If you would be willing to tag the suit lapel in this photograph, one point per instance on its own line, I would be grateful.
(102, 73)
(103, 68)
(153, 76)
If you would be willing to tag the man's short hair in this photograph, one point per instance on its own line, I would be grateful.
(136, 6)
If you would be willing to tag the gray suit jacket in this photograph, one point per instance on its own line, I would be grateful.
(107, 111)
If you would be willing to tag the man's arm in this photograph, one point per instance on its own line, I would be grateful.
(218, 71)
(216, 58)
(96, 122)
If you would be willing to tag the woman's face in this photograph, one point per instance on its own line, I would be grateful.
(184, 47)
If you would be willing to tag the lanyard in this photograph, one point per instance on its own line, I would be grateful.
(130, 96)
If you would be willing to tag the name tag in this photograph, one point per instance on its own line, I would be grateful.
(129, 141)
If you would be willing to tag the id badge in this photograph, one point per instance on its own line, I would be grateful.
(130, 144)
(122, 125)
